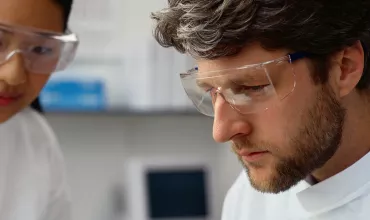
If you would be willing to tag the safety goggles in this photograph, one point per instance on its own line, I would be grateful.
(247, 89)
(42, 52)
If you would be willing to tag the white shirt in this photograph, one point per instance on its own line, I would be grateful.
(32, 179)
(345, 196)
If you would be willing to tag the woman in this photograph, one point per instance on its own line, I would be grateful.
(33, 44)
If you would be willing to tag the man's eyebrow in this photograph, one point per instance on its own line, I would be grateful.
(248, 78)
(213, 82)
(247, 75)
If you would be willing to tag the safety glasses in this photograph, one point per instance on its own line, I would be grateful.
(247, 89)
(42, 52)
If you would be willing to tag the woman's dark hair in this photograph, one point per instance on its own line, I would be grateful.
(211, 29)
(66, 6)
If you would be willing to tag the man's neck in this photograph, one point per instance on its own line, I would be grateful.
(355, 141)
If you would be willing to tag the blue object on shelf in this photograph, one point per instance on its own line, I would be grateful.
(73, 95)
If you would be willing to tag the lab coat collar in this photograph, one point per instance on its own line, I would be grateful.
(338, 189)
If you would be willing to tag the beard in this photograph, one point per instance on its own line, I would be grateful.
(317, 140)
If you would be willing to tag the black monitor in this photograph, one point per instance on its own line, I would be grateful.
(176, 194)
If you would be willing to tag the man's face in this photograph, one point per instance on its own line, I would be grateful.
(281, 145)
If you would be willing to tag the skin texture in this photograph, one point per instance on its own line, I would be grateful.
(14, 78)
(310, 132)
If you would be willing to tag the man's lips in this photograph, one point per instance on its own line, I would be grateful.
(252, 155)
(245, 152)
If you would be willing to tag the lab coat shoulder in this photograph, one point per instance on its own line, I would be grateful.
(43, 145)
(37, 130)
(43, 138)
(234, 196)
(243, 202)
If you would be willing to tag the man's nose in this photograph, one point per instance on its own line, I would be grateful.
(12, 70)
(228, 122)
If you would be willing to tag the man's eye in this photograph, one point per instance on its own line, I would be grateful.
(256, 88)
(250, 89)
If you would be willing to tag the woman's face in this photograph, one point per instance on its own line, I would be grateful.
(19, 85)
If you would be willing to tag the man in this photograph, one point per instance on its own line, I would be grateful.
(288, 85)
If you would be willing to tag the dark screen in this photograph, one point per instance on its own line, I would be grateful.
(175, 194)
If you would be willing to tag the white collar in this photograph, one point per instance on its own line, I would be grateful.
(338, 189)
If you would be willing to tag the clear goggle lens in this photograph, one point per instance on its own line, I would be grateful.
(247, 89)
(42, 52)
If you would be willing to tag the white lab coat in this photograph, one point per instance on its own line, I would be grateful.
(32, 177)
(345, 196)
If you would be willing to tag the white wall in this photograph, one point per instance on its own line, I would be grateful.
(95, 147)
(116, 46)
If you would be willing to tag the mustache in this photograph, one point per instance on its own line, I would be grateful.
(248, 144)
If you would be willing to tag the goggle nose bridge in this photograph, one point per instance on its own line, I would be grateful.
(12, 53)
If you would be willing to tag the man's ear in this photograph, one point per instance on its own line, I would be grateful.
(351, 62)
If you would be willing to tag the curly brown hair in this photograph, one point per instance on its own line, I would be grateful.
(215, 28)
